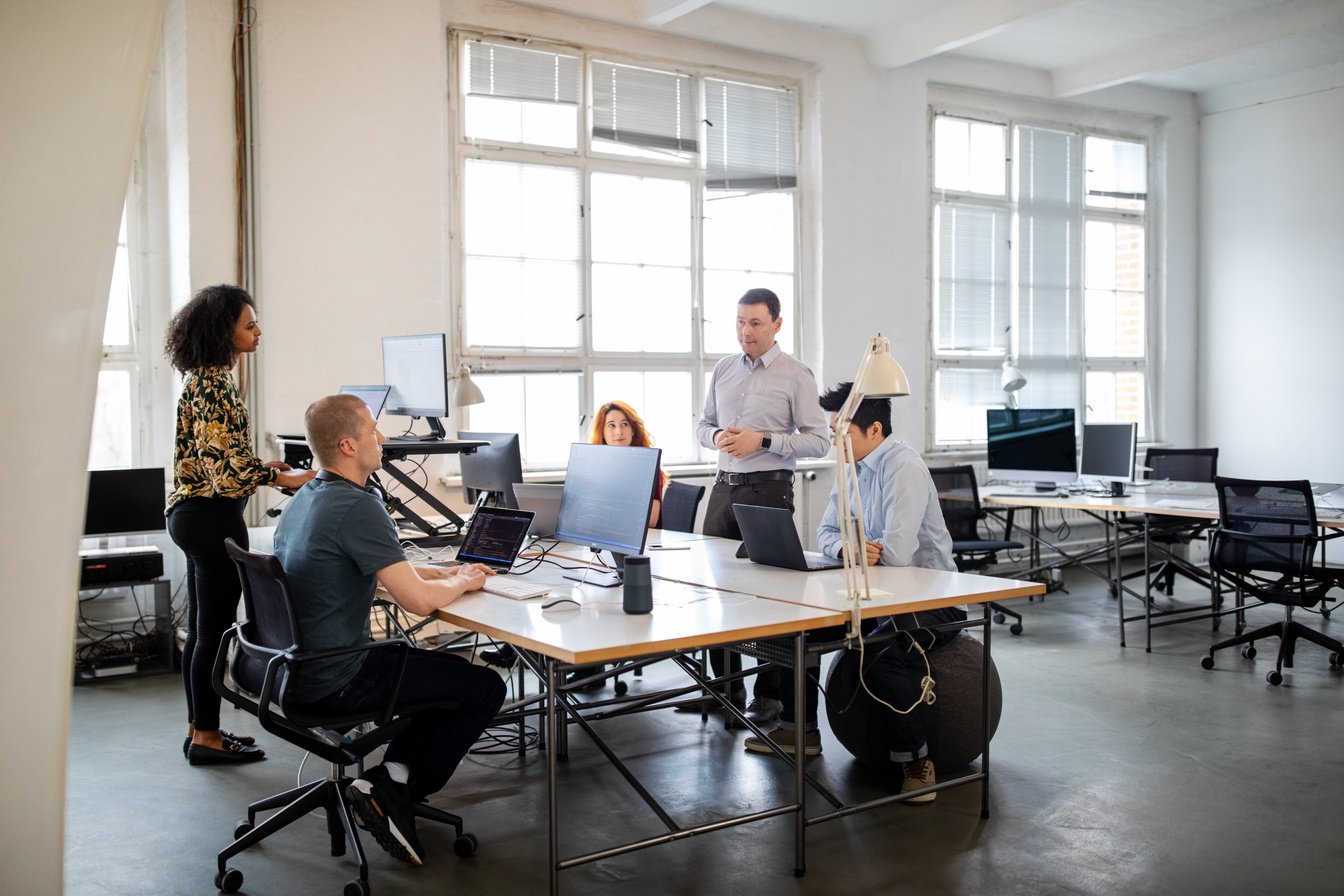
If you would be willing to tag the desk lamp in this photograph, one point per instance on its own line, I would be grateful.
(466, 391)
(879, 376)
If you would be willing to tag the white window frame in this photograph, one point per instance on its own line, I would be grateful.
(1118, 127)
(584, 359)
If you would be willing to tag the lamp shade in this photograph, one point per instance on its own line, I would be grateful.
(1012, 378)
(466, 392)
(882, 376)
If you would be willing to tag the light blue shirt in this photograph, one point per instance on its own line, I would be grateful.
(900, 509)
(775, 394)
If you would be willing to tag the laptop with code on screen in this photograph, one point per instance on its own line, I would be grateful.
(494, 536)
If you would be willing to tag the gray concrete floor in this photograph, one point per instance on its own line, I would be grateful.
(1114, 771)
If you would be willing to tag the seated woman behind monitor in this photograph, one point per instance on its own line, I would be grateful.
(616, 423)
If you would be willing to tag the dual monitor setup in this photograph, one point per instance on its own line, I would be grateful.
(605, 502)
(1039, 445)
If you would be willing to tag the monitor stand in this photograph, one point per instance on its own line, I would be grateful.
(1117, 489)
(437, 432)
(591, 576)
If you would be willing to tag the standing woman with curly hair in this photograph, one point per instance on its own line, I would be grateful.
(214, 473)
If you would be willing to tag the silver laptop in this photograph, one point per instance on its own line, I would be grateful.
(771, 539)
(543, 499)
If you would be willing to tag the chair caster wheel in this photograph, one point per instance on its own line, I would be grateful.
(1015, 628)
(1248, 651)
(465, 846)
(230, 880)
(1206, 662)
(241, 828)
(356, 888)
(621, 688)
(1275, 678)
(998, 619)
(1336, 660)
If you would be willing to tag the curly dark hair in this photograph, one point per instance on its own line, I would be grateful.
(201, 332)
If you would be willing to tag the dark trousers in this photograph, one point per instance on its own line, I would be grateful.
(199, 526)
(893, 671)
(720, 522)
(438, 737)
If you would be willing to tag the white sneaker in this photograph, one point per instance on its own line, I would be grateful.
(918, 775)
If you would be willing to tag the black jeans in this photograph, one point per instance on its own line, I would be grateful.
(439, 736)
(720, 522)
(199, 526)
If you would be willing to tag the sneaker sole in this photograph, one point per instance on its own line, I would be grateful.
(923, 798)
(756, 745)
(371, 818)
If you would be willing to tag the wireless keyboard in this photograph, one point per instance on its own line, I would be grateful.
(512, 588)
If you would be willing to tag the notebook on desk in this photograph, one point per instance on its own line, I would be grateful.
(771, 539)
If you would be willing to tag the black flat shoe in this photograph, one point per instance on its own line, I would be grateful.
(243, 739)
(200, 754)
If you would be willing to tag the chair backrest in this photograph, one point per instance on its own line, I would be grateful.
(680, 503)
(270, 623)
(1182, 464)
(959, 499)
(1264, 525)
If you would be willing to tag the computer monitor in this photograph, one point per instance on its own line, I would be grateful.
(373, 396)
(1108, 454)
(606, 502)
(416, 369)
(1035, 445)
(490, 471)
(125, 502)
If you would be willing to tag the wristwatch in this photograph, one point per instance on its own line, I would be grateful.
(765, 442)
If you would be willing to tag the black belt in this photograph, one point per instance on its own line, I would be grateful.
(753, 478)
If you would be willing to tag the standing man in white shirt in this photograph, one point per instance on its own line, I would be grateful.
(761, 414)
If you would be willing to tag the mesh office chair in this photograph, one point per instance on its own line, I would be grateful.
(1265, 545)
(959, 499)
(1166, 532)
(269, 645)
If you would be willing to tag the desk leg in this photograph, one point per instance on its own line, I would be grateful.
(985, 714)
(552, 776)
(1113, 536)
(1147, 584)
(799, 755)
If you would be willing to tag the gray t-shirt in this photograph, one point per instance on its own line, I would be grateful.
(333, 539)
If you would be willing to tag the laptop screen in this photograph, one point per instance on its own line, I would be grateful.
(494, 536)
(373, 396)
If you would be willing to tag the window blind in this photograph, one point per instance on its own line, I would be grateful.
(751, 136)
(505, 71)
(643, 107)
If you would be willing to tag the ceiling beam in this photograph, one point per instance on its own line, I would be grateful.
(660, 12)
(1204, 43)
(950, 27)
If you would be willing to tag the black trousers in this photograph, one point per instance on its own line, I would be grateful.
(199, 526)
(720, 522)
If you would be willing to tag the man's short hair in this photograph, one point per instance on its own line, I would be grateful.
(871, 410)
(330, 419)
(761, 296)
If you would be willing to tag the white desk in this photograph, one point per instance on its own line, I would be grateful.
(703, 597)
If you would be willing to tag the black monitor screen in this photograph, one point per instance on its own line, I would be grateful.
(125, 501)
(607, 497)
(1031, 443)
(416, 370)
(1108, 450)
(493, 468)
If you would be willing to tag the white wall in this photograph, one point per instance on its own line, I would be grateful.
(1271, 306)
(72, 84)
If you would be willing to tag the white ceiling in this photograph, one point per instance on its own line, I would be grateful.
(1202, 46)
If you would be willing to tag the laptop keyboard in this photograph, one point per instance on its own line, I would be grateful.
(513, 588)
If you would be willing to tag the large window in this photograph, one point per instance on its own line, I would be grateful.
(1039, 242)
(611, 213)
(116, 413)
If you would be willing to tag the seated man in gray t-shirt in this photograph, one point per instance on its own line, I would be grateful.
(337, 543)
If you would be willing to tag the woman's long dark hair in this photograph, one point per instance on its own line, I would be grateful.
(201, 332)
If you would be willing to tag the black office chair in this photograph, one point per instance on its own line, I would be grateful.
(681, 501)
(1166, 532)
(959, 499)
(268, 645)
(1264, 545)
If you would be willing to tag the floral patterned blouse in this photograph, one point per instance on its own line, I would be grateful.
(212, 453)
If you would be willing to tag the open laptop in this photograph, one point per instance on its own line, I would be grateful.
(543, 499)
(770, 538)
(373, 396)
(494, 537)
